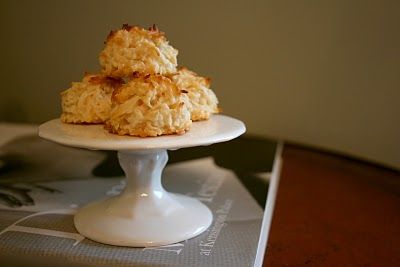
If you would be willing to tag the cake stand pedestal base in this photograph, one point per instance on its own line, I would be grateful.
(144, 214)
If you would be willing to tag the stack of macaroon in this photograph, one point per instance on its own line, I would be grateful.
(139, 91)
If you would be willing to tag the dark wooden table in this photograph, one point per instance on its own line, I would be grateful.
(334, 211)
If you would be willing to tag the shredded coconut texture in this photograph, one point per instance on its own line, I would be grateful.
(202, 100)
(88, 101)
(134, 49)
(149, 105)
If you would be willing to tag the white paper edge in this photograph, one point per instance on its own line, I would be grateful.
(269, 206)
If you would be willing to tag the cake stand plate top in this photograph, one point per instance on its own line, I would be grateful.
(219, 128)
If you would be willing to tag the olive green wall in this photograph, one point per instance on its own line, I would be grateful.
(325, 73)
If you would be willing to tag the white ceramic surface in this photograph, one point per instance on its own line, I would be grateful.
(144, 214)
(218, 128)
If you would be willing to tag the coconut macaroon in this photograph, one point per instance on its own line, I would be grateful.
(136, 49)
(88, 101)
(203, 101)
(149, 105)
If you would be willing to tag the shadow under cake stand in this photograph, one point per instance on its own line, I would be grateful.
(144, 214)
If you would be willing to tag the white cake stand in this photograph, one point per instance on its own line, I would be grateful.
(144, 214)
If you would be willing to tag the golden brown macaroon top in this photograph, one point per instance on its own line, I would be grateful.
(100, 79)
(190, 78)
(133, 48)
(153, 32)
(151, 81)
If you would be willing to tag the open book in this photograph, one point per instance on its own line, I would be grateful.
(43, 184)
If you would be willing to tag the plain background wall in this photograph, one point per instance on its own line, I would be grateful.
(325, 73)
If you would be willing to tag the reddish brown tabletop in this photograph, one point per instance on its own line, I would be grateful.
(334, 211)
